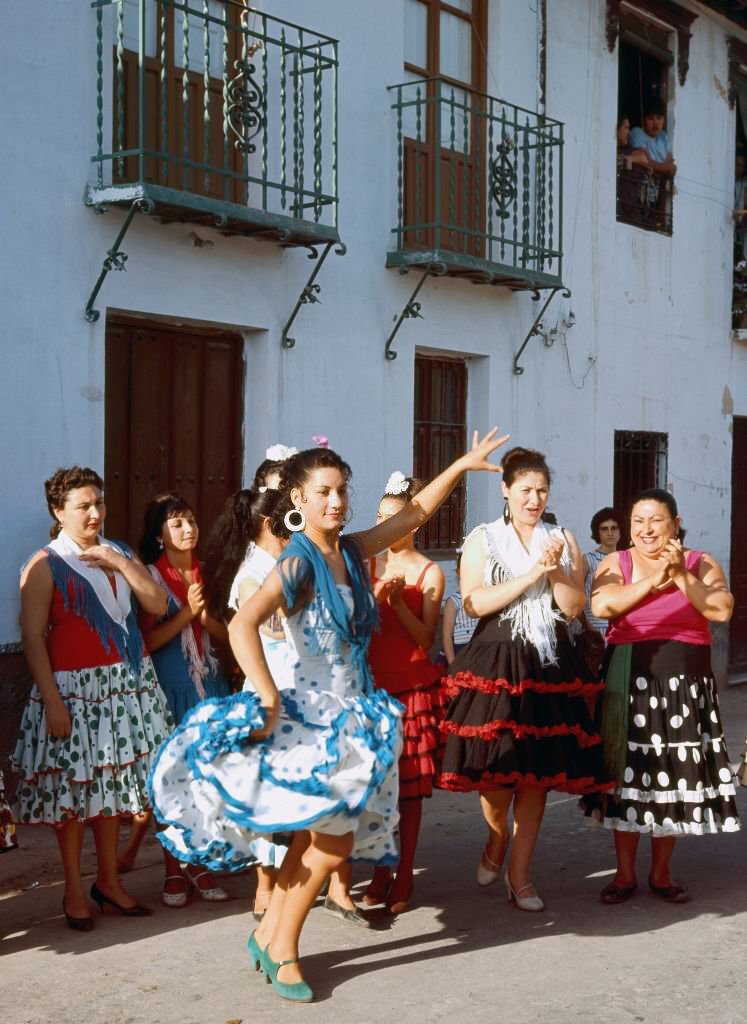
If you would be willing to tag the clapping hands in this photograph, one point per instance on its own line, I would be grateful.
(549, 560)
(672, 563)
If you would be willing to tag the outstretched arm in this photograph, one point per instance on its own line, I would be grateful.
(420, 509)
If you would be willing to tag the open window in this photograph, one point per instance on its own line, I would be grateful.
(645, 60)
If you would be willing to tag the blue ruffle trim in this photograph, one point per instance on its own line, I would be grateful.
(228, 729)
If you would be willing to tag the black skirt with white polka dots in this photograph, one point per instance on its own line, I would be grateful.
(677, 780)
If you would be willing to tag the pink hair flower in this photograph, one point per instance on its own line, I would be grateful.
(320, 441)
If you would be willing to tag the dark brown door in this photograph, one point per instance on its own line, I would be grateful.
(738, 628)
(442, 163)
(174, 401)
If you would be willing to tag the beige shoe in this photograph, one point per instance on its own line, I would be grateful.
(532, 903)
(487, 875)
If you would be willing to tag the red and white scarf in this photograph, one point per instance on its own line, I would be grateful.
(195, 640)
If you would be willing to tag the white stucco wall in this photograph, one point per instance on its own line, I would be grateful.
(651, 312)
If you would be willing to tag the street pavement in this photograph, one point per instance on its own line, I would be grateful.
(461, 954)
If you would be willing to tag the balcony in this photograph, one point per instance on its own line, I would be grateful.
(479, 187)
(216, 114)
(644, 197)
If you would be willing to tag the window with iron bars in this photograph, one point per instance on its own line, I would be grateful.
(640, 462)
(440, 412)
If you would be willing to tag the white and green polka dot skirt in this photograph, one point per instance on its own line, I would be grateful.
(119, 719)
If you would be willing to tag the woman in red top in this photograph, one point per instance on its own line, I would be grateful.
(96, 713)
(409, 589)
(662, 730)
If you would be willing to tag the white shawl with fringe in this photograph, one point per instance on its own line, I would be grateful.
(532, 615)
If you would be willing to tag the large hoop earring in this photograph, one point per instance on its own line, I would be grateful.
(294, 520)
(506, 513)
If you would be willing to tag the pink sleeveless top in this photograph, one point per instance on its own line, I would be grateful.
(665, 616)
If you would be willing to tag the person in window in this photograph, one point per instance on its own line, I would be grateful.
(626, 155)
(652, 140)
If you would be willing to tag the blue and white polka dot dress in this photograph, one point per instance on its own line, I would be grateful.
(330, 765)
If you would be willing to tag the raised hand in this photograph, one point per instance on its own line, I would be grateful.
(476, 459)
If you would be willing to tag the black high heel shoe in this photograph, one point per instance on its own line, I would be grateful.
(78, 924)
(137, 911)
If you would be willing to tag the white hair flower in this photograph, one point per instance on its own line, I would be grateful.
(397, 483)
(280, 452)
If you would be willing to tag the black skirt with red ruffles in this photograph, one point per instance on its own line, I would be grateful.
(513, 721)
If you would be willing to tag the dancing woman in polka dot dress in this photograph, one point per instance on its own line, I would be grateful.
(661, 724)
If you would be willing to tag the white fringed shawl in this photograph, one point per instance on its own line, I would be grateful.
(532, 615)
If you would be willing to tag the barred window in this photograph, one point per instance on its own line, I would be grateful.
(640, 462)
(440, 437)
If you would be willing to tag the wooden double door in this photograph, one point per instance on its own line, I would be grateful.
(174, 413)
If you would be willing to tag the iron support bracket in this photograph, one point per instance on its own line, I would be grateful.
(412, 308)
(310, 292)
(536, 328)
(116, 258)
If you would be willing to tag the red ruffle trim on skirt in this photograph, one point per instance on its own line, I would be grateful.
(424, 709)
(490, 730)
(492, 780)
(469, 681)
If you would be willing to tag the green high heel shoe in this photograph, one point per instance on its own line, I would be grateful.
(297, 991)
(257, 955)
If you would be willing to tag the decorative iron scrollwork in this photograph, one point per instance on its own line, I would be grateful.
(245, 110)
(503, 177)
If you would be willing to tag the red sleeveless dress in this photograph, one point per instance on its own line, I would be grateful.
(402, 668)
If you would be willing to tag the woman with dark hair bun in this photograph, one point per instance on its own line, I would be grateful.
(180, 644)
(408, 588)
(323, 761)
(245, 545)
(96, 713)
(518, 724)
(663, 739)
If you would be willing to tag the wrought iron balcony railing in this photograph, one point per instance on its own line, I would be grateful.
(644, 197)
(220, 114)
(479, 186)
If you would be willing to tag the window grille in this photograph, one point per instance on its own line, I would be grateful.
(640, 462)
(439, 438)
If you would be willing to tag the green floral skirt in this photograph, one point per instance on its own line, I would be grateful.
(119, 719)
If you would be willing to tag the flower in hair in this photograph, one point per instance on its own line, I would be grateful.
(320, 441)
(397, 483)
(280, 452)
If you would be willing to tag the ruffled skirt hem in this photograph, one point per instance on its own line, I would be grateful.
(335, 772)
